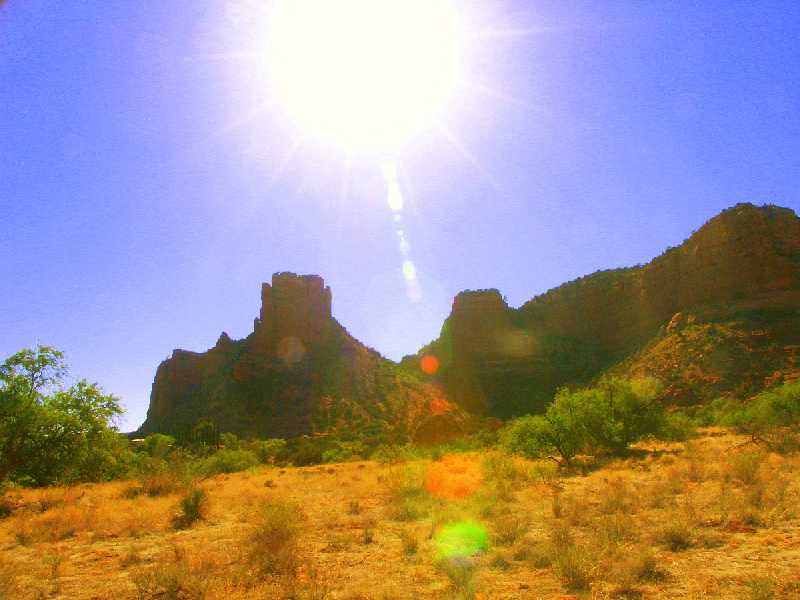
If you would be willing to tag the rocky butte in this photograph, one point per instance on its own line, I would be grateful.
(299, 372)
(720, 314)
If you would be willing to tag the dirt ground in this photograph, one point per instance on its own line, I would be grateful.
(713, 518)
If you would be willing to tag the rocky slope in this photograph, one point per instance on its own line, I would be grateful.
(299, 372)
(735, 283)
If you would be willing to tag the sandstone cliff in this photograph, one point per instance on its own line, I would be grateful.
(299, 372)
(739, 272)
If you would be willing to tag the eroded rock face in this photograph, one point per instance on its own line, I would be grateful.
(295, 312)
(509, 361)
(271, 383)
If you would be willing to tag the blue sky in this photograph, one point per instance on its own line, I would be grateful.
(137, 217)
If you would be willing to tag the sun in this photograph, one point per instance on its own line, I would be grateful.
(366, 75)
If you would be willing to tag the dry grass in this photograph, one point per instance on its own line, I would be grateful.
(711, 520)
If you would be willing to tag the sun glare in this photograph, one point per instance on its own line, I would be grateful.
(364, 74)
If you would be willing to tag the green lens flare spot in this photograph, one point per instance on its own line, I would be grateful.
(459, 540)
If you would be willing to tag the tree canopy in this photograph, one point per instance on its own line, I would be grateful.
(52, 433)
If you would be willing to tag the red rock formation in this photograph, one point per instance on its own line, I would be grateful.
(745, 259)
(272, 383)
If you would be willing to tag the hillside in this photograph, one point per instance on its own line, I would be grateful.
(299, 372)
(718, 314)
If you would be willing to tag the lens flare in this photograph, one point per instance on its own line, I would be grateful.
(429, 364)
(461, 540)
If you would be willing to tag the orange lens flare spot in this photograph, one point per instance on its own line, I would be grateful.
(429, 364)
(454, 477)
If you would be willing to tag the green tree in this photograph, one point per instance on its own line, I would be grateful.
(605, 418)
(50, 433)
(772, 417)
(618, 412)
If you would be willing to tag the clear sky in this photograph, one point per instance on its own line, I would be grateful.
(144, 198)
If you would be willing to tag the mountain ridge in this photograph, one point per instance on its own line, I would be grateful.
(720, 313)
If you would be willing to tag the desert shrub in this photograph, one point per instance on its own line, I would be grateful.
(617, 528)
(368, 534)
(745, 466)
(157, 477)
(226, 461)
(410, 543)
(500, 562)
(501, 466)
(268, 451)
(574, 567)
(560, 538)
(460, 572)
(761, 588)
(509, 529)
(405, 509)
(676, 536)
(538, 555)
(191, 508)
(393, 454)
(272, 547)
(305, 451)
(169, 581)
(772, 417)
(617, 497)
(229, 441)
(637, 566)
(158, 445)
(343, 451)
(6, 507)
(677, 427)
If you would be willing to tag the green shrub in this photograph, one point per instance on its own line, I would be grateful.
(191, 508)
(677, 427)
(158, 445)
(229, 441)
(343, 452)
(772, 417)
(305, 451)
(269, 451)
(226, 461)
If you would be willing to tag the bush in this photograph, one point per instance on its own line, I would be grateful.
(269, 451)
(410, 543)
(191, 508)
(343, 452)
(273, 542)
(157, 477)
(676, 536)
(772, 417)
(227, 461)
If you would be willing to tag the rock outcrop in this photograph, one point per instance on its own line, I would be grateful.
(299, 372)
(719, 314)
(740, 270)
